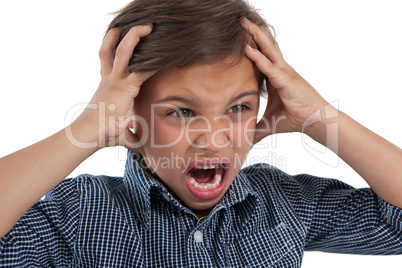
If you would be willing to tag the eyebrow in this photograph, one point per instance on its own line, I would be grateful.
(244, 94)
(192, 102)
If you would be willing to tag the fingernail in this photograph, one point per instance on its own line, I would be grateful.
(249, 47)
(149, 25)
(246, 20)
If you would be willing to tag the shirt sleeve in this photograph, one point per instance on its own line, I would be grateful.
(45, 235)
(341, 219)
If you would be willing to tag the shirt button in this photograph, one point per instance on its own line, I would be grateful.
(198, 236)
(166, 197)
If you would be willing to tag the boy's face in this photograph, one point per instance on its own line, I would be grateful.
(200, 123)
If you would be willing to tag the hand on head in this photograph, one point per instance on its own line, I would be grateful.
(291, 99)
(117, 90)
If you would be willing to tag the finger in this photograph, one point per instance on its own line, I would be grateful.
(137, 79)
(124, 51)
(262, 62)
(107, 50)
(264, 40)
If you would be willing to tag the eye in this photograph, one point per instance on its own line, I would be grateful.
(237, 109)
(182, 113)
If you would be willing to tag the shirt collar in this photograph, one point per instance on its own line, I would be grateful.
(139, 184)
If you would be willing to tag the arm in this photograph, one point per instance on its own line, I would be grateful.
(26, 175)
(375, 159)
(299, 104)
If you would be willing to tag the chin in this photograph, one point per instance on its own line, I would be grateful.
(203, 204)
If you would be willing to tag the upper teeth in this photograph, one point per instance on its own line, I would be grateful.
(207, 167)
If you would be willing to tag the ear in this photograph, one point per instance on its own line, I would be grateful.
(132, 141)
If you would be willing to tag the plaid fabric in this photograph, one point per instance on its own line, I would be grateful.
(266, 219)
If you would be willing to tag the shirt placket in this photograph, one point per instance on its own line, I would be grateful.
(197, 253)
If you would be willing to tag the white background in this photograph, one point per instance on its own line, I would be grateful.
(349, 50)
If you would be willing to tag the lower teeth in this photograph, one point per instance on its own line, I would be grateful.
(206, 186)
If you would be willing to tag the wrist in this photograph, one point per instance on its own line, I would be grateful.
(84, 134)
(322, 126)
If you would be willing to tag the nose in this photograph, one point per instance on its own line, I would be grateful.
(210, 135)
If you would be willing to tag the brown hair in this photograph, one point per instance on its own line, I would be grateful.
(187, 32)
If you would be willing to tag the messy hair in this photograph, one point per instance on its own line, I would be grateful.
(187, 32)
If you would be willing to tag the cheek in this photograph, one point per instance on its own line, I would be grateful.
(164, 150)
(243, 136)
(166, 135)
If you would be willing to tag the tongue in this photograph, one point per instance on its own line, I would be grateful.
(203, 175)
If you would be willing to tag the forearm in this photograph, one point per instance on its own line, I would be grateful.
(28, 174)
(374, 158)
(295, 101)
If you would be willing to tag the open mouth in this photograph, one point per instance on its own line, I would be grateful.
(206, 179)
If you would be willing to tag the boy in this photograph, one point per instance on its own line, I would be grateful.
(183, 214)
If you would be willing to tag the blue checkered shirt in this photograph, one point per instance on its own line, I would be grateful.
(267, 218)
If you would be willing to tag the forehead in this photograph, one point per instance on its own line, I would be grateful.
(215, 79)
